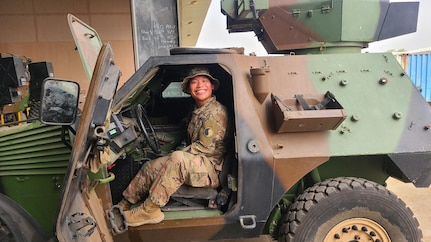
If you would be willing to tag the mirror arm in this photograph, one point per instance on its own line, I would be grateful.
(63, 135)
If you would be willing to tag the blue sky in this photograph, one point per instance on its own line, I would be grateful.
(215, 35)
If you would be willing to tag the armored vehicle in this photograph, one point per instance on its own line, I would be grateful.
(315, 132)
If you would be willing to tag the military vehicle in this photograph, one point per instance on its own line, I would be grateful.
(316, 132)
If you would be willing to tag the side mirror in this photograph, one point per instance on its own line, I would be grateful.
(59, 101)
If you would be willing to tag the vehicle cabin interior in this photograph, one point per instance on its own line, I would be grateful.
(166, 109)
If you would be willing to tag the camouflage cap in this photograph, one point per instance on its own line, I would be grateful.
(198, 71)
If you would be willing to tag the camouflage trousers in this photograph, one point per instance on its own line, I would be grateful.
(161, 177)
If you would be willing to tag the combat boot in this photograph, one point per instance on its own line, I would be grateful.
(146, 213)
(124, 204)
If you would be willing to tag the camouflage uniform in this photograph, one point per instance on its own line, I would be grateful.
(197, 165)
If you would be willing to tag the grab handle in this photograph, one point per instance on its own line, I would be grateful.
(248, 221)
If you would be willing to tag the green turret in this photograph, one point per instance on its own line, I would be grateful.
(320, 26)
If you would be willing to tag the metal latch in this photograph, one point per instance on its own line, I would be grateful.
(248, 221)
(81, 224)
(232, 183)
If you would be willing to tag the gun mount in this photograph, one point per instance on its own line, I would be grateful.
(310, 27)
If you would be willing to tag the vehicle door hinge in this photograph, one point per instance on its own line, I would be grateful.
(81, 224)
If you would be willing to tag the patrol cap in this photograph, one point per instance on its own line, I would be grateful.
(198, 71)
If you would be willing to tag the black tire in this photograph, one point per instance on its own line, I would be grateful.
(5, 233)
(17, 225)
(347, 207)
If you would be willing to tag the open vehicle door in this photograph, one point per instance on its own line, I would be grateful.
(87, 41)
(80, 213)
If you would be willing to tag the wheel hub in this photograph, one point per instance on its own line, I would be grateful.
(356, 230)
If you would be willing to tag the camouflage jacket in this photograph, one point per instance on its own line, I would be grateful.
(206, 130)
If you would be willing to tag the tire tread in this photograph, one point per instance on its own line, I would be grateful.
(320, 191)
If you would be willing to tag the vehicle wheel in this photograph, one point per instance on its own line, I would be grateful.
(17, 225)
(5, 233)
(349, 209)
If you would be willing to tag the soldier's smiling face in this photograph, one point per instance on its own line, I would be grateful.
(201, 89)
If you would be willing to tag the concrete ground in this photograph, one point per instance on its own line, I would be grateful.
(417, 199)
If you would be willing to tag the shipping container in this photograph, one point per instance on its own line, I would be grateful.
(417, 65)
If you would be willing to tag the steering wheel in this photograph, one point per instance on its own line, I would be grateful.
(145, 126)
